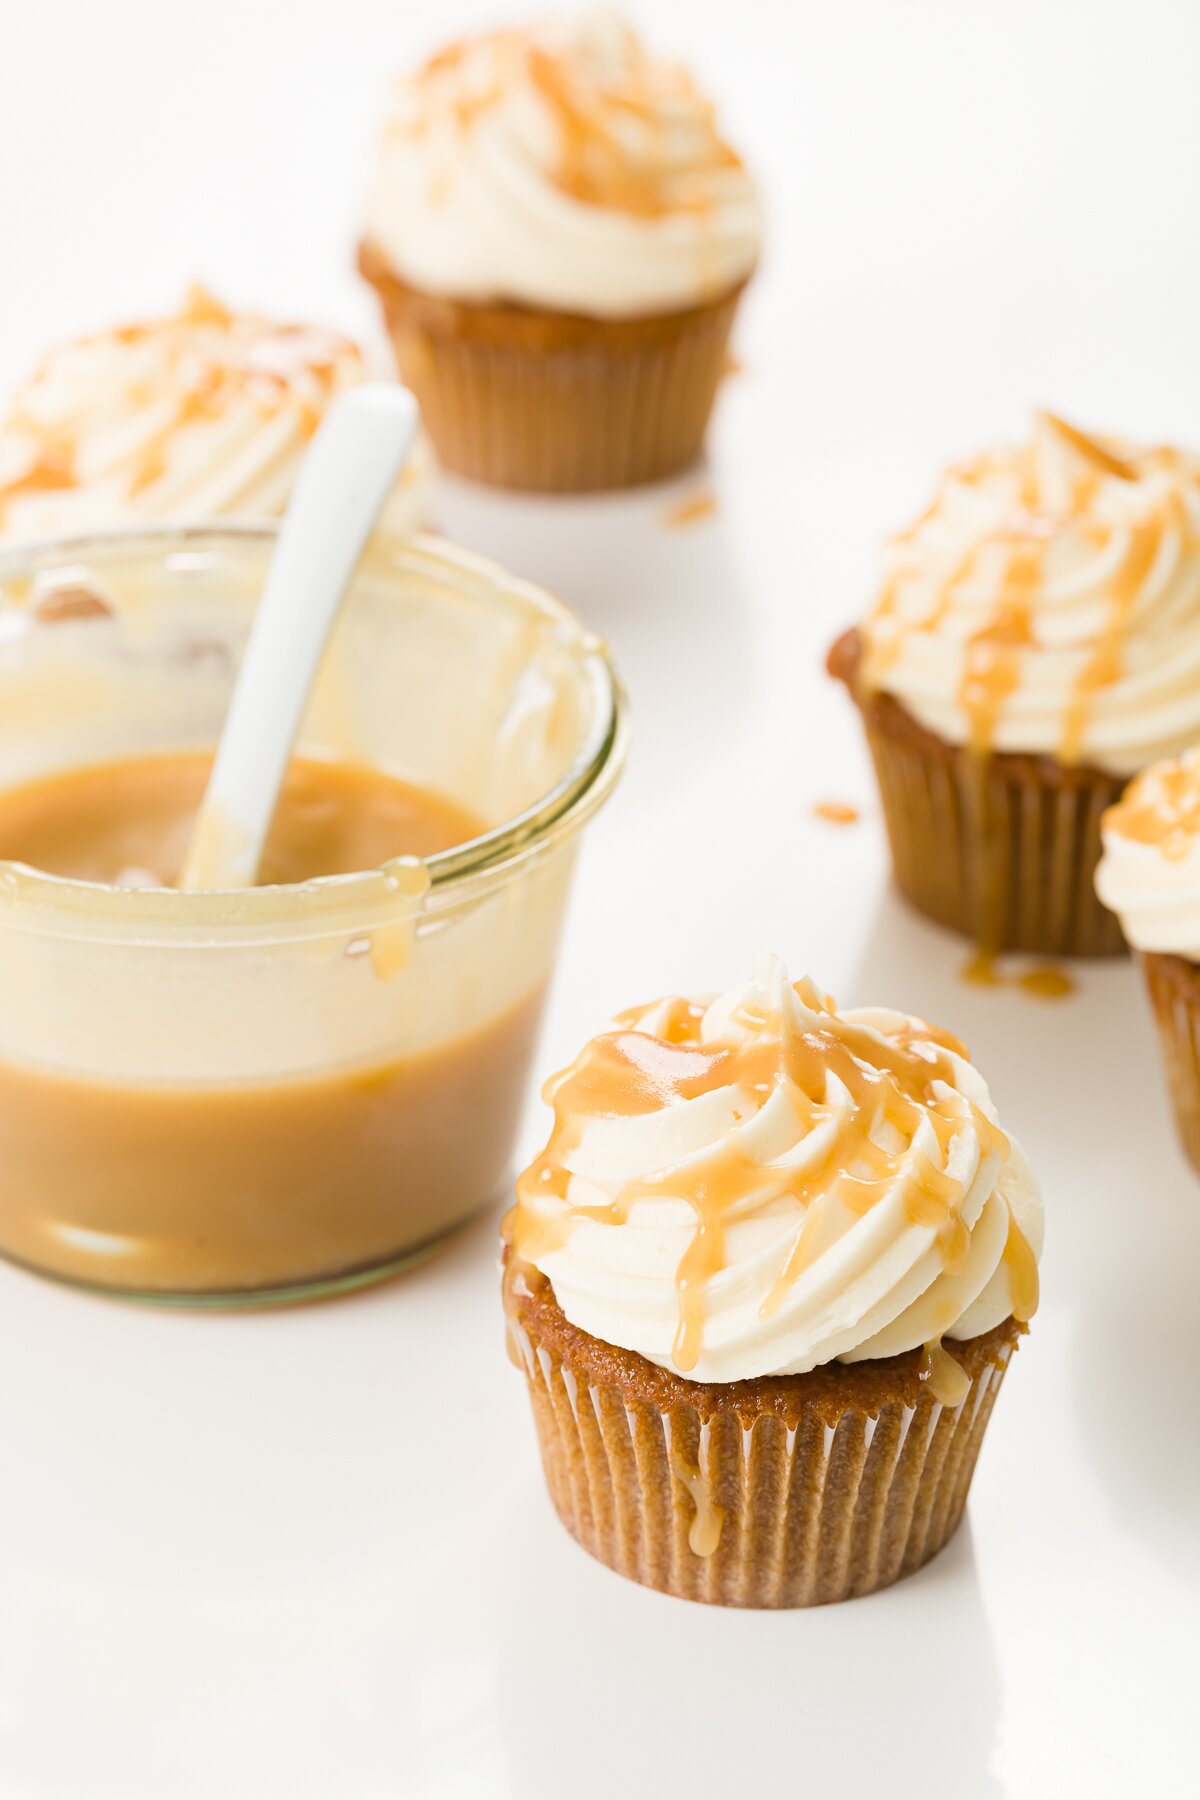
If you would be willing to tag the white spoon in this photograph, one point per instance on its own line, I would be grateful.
(349, 470)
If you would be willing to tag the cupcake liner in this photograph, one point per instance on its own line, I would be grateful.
(788, 1491)
(554, 402)
(1003, 847)
(1174, 987)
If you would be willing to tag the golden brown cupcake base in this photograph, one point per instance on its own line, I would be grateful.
(555, 402)
(1002, 848)
(1174, 987)
(785, 1491)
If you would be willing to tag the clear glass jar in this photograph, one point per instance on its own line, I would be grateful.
(223, 1097)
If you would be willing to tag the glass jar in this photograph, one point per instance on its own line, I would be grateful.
(280, 1091)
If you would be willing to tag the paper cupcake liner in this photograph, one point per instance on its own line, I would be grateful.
(1174, 987)
(1002, 848)
(553, 402)
(794, 1491)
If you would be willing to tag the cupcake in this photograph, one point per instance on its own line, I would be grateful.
(559, 238)
(764, 1283)
(203, 415)
(1036, 642)
(1149, 875)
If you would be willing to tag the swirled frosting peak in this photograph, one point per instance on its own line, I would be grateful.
(562, 168)
(201, 415)
(1048, 601)
(760, 1184)
(1149, 874)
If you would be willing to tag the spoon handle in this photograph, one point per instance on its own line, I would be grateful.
(347, 474)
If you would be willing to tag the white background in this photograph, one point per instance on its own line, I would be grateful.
(309, 1555)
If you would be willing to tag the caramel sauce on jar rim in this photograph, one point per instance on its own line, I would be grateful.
(29, 579)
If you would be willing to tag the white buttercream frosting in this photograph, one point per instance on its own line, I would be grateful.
(565, 169)
(202, 415)
(1048, 601)
(761, 1184)
(1149, 874)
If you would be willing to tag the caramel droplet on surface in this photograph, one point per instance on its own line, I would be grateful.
(1046, 983)
(1043, 982)
(836, 812)
(692, 511)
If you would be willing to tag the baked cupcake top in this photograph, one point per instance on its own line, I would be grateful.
(561, 168)
(760, 1184)
(1149, 874)
(1048, 601)
(202, 415)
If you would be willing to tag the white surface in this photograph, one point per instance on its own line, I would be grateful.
(261, 1556)
(348, 471)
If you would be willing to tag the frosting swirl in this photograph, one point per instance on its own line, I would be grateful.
(564, 169)
(202, 415)
(762, 1184)
(1149, 874)
(1048, 601)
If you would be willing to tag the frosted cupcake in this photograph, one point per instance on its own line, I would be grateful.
(1149, 875)
(203, 415)
(1036, 642)
(559, 238)
(765, 1282)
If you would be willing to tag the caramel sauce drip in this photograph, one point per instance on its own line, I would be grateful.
(901, 1083)
(1021, 1265)
(994, 653)
(1106, 663)
(948, 1381)
(1161, 808)
(993, 660)
(704, 1533)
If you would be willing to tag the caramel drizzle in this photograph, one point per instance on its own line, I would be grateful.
(1161, 808)
(992, 668)
(629, 1073)
(1106, 663)
(235, 349)
(598, 163)
(994, 653)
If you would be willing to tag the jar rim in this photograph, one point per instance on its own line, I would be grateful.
(561, 811)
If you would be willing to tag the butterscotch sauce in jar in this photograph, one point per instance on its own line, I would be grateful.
(224, 1097)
